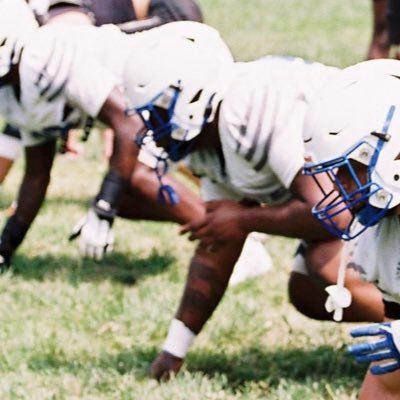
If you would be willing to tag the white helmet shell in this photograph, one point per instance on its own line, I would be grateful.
(360, 102)
(16, 23)
(372, 67)
(188, 55)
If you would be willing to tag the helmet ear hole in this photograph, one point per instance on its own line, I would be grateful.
(196, 97)
(207, 112)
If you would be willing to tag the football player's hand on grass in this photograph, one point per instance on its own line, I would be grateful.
(96, 237)
(5, 263)
(165, 365)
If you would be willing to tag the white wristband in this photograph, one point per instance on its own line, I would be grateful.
(179, 339)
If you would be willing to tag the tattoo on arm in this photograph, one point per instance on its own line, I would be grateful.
(204, 289)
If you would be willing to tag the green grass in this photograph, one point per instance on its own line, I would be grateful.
(330, 31)
(73, 329)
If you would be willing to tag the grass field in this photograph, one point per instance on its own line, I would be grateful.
(73, 329)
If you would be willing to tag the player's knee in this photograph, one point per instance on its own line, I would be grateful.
(306, 296)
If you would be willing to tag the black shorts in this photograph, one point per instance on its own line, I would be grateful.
(175, 10)
(11, 131)
(392, 310)
(58, 7)
(110, 11)
(101, 11)
(393, 21)
(121, 11)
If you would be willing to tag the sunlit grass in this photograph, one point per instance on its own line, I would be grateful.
(78, 329)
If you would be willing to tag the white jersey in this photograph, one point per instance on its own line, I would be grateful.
(376, 256)
(66, 72)
(260, 126)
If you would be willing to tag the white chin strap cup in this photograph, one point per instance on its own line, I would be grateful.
(338, 299)
(338, 296)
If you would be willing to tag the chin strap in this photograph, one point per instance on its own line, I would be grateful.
(166, 193)
(339, 296)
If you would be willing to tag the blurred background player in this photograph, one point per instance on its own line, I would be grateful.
(386, 30)
(235, 126)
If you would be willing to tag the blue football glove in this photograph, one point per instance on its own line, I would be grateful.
(385, 349)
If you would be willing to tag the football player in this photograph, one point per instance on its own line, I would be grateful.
(51, 79)
(242, 132)
(351, 136)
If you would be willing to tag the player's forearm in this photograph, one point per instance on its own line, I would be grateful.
(206, 283)
(202, 295)
(117, 179)
(125, 151)
(291, 219)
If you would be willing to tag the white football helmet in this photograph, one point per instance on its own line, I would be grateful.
(372, 67)
(356, 120)
(16, 22)
(175, 80)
